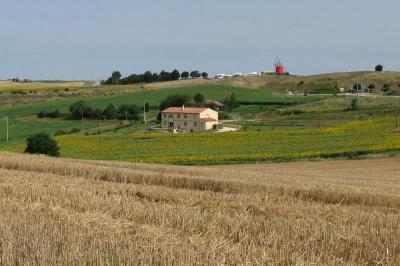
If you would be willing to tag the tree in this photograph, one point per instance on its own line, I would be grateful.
(379, 68)
(371, 87)
(165, 76)
(195, 74)
(115, 77)
(42, 144)
(148, 77)
(175, 75)
(386, 88)
(128, 112)
(146, 107)
(204, 75)
(110, 112)
(134, 78)
(198, 99)
(80, 110)
(176, 100)
(155, 77)
(185, 75)
(231, 102)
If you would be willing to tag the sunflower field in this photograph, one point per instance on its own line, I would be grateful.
(347, 140)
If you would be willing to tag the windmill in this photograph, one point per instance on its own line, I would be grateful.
(279, 67)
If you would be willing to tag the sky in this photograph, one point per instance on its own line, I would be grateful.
(87, 40)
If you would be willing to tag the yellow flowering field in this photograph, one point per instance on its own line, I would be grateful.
(348, 140)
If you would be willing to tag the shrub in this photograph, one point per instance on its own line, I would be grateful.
(60, 133)
(74, 130)
(42, 144)
(223, 115)
(386, 88)
(354, 104)
(45, 113)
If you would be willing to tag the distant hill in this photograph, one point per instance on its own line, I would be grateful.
(310, 83)
(278, 84)
(37, 85)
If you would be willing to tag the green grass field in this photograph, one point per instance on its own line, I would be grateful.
(154, 97)
(316, 114)
(20, 129)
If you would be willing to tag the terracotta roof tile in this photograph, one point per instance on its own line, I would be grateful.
(186, 110)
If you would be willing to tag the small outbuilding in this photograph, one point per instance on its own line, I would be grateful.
(215, 105)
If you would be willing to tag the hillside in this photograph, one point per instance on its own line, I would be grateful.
(11, 92)
(38, 85)
(59, 211)
(310, 84)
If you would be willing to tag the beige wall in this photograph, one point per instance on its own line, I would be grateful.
(209, 114)
(189, 122)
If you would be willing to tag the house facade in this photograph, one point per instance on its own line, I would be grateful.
(188, 119)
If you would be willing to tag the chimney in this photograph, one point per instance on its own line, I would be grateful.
(183, 107)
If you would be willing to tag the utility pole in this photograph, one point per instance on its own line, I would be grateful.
(7, 136)
(144, 113)
(397, 116)
(144, 117)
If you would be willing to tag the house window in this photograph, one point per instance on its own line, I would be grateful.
(171, 116)
(185, 116)
(195, 124)
(165, 116)
(185, 124)
(179, 116)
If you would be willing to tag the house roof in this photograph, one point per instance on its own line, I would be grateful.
(215, 103)
(184, 110)
(208, 119)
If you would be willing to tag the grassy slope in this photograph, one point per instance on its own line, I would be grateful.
(327, 112)
(154, 97)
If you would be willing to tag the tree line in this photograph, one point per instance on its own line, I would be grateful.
(149, 77)
(82, 110)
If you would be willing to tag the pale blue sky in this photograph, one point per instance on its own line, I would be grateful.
(76, 39)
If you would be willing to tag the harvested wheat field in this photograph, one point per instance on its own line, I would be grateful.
(71, 212)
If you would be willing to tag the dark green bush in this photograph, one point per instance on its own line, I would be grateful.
(42, 144)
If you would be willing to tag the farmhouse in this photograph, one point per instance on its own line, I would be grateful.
(182, 119)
